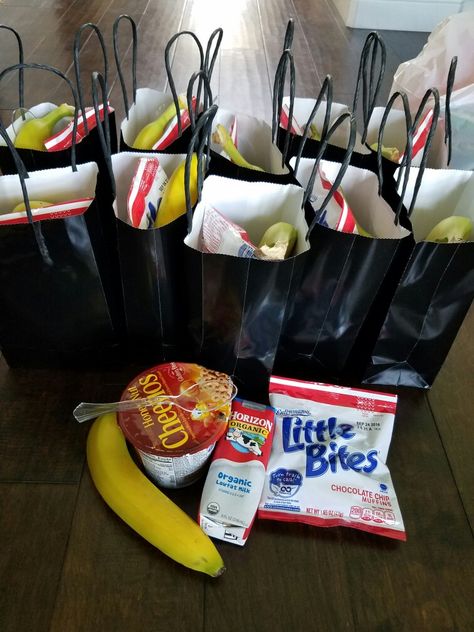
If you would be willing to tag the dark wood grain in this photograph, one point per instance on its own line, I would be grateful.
(431, 573)
(34, 530)
(40, 440)
(114, 581)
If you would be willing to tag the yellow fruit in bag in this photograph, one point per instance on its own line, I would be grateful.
(21, 208)
(222, 137)
(278, 241)
(151, 133)
(34, 132)
(451, 230)
(173, 202)
(391, 153)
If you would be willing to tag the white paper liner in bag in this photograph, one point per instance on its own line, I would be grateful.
(255, 206)
(395, 132)
(52, 185)
(254, 140)
(443, 193)
(302, 109)
(360, 188)
(148, 106)
(124, 166)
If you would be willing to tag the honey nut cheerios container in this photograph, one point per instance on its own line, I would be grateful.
(174, 442)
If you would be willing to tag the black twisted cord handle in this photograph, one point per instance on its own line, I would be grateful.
(134, 59)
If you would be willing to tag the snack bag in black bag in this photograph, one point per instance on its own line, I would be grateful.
(54, 309)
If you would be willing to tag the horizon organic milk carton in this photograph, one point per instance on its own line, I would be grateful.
(236, 475)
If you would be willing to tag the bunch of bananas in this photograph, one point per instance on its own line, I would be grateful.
(142, 505)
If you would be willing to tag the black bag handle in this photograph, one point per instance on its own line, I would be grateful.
(406, 162)
(21, 60)
(278, 89)
(373, 45)
(170, 75)
(103, 128)
(57, 72)
(208, 60)
(326, 90)
(23, 175)
(431, 92)
(118, 63)
(448, 140)
(208, 99)
(342, 170)
(200, 137)
(77, 70)
(289, 33)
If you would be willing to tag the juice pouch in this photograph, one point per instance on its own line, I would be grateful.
(236, 476)
(327, 466)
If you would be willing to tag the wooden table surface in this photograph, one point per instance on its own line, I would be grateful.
(67, 563)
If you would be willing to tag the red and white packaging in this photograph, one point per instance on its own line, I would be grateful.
(58, 210)
(63, 139)
(171, 132)
(145, 193)
(219, 235)
(285, 118)
(337, 214)
(420, 136)
(236, 475)
(328, 462)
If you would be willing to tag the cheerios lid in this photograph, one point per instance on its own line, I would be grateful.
(192, 417)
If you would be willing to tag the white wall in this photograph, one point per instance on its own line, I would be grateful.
(398, 15)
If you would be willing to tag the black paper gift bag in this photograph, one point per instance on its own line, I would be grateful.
(54, 309)
(151, 261)
(346, 275)
(236, 303)
(88, 149)
(436, 289)
(149, 103)
(254, 139)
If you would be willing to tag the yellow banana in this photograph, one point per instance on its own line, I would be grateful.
(173, 202)
(391, 153)
(314, 134)
(152, 132)
(451, 230)
(222, 137)
(142, 505)
(21, 208)
(34, 132)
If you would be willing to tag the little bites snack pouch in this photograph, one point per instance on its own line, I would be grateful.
(327, 466)
(236, 475)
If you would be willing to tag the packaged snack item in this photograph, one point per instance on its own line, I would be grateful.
(327, 466)
(146, 192)
(220, 235)
(175, 437)
(338, 214)
(236, 475)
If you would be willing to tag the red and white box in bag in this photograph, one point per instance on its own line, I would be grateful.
(328, 462)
